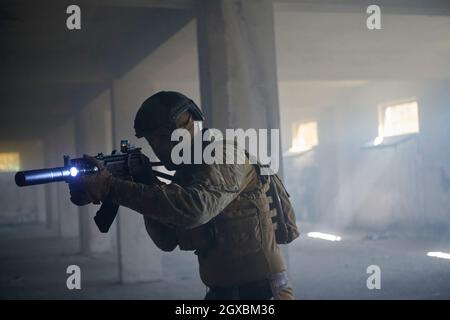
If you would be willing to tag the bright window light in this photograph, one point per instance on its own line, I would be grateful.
(398, 119)
(323, 236)
(304, 137)
(438, 254)
(9, 161)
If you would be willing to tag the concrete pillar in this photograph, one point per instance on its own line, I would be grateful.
(237, 67)
(67, 211)
(41, 205)
(51, 190)
(93, 135)
(237, 63)
(172, 66)
(41, 215)
(61, 213)
(139, 258)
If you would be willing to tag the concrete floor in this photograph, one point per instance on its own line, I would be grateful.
(33, 265)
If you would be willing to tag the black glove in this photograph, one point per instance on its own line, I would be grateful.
(91, 188)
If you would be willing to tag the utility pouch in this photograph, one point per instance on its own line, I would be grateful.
(286, 229)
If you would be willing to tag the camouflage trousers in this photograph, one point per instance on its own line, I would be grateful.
(276, 288)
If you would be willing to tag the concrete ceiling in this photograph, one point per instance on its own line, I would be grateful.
(46, 70)
(317, 45)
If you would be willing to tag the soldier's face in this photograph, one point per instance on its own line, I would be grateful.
(161, 144)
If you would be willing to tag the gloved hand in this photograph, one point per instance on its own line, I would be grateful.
(91, 188)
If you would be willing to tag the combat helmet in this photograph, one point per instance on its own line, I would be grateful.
(162, 110)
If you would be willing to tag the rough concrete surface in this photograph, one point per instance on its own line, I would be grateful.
(33, 265)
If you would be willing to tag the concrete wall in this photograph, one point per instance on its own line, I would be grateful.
(343, 184)
(168, 68)
(27, 204)
(67, 211)
(311, 178)
(62, 215)
(51, 159)
(94, 135)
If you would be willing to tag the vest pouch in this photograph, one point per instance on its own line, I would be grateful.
(199, 238)
(240, 235)
(286, 229)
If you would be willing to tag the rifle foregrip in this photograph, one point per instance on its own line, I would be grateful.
(106, 215)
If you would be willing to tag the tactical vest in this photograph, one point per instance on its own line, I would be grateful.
(239, 229)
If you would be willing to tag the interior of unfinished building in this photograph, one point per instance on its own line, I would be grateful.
(363, 113)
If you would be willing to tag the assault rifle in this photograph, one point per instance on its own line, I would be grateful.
(129, 163)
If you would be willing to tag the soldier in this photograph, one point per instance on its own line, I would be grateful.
(219, 211)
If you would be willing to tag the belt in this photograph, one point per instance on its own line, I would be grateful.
(257, 290)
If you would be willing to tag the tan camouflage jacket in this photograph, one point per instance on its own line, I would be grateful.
(219, 210)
